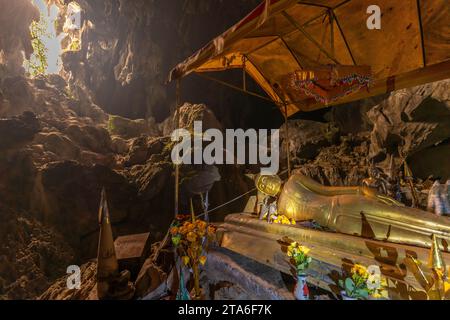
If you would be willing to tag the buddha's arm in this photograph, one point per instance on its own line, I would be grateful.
(317, 188)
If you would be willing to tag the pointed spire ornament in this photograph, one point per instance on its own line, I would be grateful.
(436, 261)
(391, 168)
(408, 172)
(437, 264)
(410, 180)
(107, 264)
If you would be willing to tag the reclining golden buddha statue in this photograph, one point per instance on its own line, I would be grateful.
(361, 211)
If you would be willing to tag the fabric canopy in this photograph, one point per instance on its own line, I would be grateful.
(281, 37)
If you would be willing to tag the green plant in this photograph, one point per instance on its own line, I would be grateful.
(75, 45)
(37, 65)
(299, 257)
(355, 286)
(353, 290)
(111, 124)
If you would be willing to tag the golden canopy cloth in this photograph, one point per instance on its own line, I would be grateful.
(283, 36)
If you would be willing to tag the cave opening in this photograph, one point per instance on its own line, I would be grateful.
(46, 43)
(58, 30)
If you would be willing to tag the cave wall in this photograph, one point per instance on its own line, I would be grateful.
(15, 15)
(129, 47)
(411, 124)
(414, 124)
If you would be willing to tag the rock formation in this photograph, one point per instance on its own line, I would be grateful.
(106, 122)
(32, 255)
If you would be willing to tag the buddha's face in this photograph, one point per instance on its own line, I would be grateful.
(269, 185)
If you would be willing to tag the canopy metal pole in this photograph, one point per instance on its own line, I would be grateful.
(234, 87)
(308, 36)
(244, 77)
(287, 140)
(177, 125)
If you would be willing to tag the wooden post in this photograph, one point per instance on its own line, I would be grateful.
(287, 140)
(177, 125)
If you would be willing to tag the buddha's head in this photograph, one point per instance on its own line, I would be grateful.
(269, 185)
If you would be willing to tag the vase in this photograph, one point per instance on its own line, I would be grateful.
(346, 297)
(301, 290)
(197, 291)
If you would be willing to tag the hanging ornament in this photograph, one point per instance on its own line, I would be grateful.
(329, 83)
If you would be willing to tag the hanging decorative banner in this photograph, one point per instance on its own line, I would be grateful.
(329, 83)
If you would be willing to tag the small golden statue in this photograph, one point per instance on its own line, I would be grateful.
(268, 188)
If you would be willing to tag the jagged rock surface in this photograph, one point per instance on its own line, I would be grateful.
(412, 122)
(306, 138)
(59, 291)
(15, 15)
(32, 255)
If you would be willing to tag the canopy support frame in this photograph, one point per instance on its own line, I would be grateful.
(344, 38)
(244, 73)
(292, 53)
(308, 36)
(286, 138)
(232, 86)
(422, 43)
(177, 166)
(285, 113)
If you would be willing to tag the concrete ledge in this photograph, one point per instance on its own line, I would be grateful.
(258, 280)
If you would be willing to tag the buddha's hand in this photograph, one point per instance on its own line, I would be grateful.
(389, 201)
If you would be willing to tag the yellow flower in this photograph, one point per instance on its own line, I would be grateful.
(380, 294)
(201, 224)
(293, 222)
(202, 260)
(376, 295)
(201, 233)
(305, 250)
(211, 230)
(289, 253)
(185, 260)
(359, 270)
(183, 230)
(191, 236)
(384, 294)
(174, 231)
